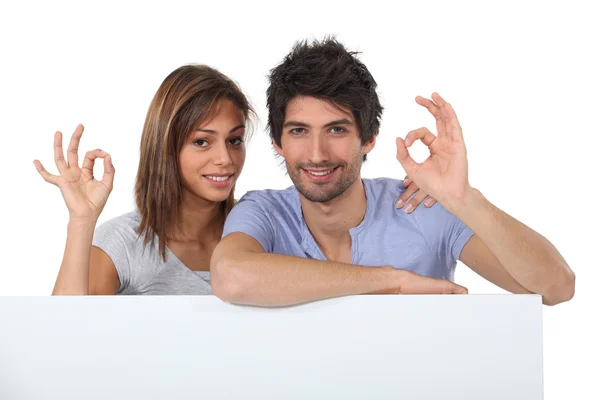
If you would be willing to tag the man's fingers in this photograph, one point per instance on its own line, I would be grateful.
(433, 108)
(410, 166)
(453, 127)
(48, 177)
(439, 100)
(74, 146)
(453, 288)
(406, 182)
(109, 172)
(422, 134)
(429, 105)
(449, 287)
(418, 284)
(410, 190)
(457, 289)
(59, 158)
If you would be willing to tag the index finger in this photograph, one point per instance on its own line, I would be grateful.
(74, 146)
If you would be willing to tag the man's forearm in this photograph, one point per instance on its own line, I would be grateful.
(525, 254)
(73, 276)
(265, 279)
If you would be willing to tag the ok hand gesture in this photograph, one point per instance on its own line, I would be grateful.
(443, 175)
(85, 196)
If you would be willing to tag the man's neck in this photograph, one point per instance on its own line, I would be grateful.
(330, 222)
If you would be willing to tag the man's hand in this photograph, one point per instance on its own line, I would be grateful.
(444, 174)
(406, 282)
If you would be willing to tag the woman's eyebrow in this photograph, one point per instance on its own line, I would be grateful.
(215, 132)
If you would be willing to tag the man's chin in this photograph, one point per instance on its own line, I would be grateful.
(318, 196)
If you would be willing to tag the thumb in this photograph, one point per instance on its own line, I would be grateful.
(402, 155)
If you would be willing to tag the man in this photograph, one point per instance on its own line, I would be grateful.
(325, 236)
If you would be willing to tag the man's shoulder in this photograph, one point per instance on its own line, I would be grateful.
(385, 192)
(388, 188)
(262, 213)
(271, 198)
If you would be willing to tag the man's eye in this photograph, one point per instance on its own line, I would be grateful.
(298, 131)
(338, 129)
(201, 142)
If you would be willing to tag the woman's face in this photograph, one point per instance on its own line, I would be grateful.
(213, 156)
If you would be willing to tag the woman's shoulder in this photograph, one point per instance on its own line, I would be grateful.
(123, 227)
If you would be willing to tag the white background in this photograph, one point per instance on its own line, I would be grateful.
(522, 77)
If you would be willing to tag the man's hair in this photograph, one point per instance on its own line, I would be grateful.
(327, 71)
(188, 97)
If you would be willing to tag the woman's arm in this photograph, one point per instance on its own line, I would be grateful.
(85, 198)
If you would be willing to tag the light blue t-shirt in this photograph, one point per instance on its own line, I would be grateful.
(427, 242)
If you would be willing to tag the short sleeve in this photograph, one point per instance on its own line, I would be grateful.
(443, 232)
(112, 238)
(251, 216)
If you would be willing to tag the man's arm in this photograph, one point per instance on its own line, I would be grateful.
(530, 262)
(510, 254)
(242, 272)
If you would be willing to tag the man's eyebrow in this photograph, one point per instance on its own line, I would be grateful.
(343, 121)
(214, 132)
(296, 123)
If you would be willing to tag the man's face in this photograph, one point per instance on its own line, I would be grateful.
(321, 147)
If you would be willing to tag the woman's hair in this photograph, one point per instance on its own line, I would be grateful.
(189, 96)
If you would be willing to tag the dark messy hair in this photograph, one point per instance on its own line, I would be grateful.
(324, 70)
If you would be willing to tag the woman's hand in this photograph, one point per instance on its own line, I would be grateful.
(84, 196)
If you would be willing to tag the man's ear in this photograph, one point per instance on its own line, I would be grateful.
(278, 149)
(367, 147)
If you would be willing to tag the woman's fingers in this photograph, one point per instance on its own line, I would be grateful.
(430, 202)
(87, 167)
(410, 190)
(48, 177)
(59, 157)
(416, 200)
(74, 146)
(109, 172)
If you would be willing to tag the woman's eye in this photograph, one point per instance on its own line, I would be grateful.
(236, 141)
(201, 142)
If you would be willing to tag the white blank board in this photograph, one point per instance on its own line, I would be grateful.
(197, 347)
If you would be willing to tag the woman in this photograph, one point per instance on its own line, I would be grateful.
(192, 152)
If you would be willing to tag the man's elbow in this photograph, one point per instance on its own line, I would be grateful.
(562, 291)
(224, 280)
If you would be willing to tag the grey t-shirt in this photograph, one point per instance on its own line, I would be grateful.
(140, 268)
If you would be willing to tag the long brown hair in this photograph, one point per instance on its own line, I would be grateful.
(189, 96)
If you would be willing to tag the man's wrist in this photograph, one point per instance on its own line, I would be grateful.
(387, 280)
(471, 202)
